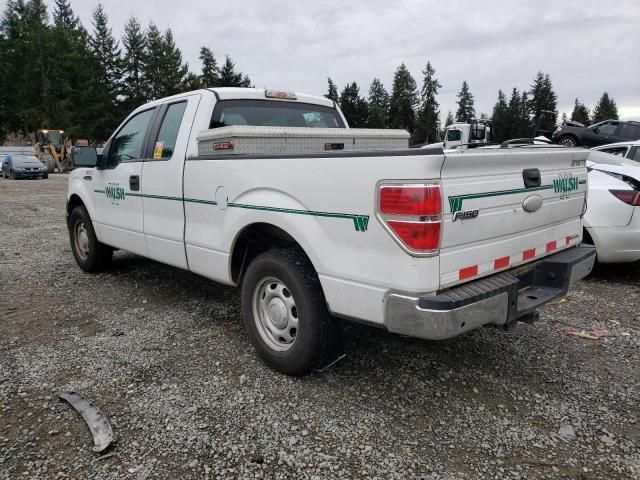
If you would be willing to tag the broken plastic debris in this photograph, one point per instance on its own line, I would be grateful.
(590, 335)
(95, 419)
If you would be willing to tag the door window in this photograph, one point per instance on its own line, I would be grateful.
(608, 128)
(127, 144)
(636, 155)
(165, 144)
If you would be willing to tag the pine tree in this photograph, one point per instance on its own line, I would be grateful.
(605, 109)
(191, 82)
(174, 71)
(466, 104)
(580, 113)
(500, 118)
(353, 107)
(332, 92)
(404, 100)
(210, 76)
(230, 78)
(31, 68)
(449, 120)
(543, 98)
(378, 105)
(153, 62)
(108, 73)
(71, 74)
(515, 122)
(429, 113)
(134, 87)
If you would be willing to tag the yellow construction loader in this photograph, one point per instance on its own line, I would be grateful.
(52, 148)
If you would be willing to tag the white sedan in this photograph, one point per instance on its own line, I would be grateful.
(612, 220)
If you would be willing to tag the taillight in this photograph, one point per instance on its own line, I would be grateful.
(630, 197)
(423, 200)
(412, 214)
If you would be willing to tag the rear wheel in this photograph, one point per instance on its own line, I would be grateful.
(285, 312)
(49, 162)
(568, 141)
(90, 254)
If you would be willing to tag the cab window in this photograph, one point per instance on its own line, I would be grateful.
(454, 135)
(165, 144)
(127, 144)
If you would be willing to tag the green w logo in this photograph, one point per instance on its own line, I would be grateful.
(361, 222)
(455, 203)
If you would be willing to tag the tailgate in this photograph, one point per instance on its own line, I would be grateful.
(503, 208)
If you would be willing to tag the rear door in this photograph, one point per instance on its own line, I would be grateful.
(118, 205)
(507, 207)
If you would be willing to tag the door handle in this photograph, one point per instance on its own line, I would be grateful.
(134, 182)
(531, 177)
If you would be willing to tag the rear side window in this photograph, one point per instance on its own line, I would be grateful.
(632, 132)
(620, 151)
(268, 113)
(165, 144)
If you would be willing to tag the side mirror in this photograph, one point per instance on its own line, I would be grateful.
(596, 130)
(84, 156)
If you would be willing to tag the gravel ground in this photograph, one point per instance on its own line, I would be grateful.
(164, 354)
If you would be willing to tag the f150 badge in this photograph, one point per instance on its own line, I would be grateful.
(465, 215)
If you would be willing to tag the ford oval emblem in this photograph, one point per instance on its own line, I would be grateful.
(532, 204)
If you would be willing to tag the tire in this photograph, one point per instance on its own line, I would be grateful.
(91, 255)
(45, 176)
(279, 281)
(568, 141)
(49, 162)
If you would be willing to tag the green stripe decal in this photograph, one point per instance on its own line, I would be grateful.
(360, 222)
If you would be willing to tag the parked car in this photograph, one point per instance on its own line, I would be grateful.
(23, 166)
(612, 220)
(630, 150)
(609, 131)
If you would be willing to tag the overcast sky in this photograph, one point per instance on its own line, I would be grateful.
(586, 46)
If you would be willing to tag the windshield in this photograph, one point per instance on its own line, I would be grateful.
(274, 114)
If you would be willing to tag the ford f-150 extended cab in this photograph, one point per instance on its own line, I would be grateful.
(418, 241)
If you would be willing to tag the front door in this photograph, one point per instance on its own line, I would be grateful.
(118, 215)
(162, 189)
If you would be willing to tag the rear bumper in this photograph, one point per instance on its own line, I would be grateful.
(617, 244)
(497, 300)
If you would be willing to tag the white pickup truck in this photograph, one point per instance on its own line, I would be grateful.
(416, 241)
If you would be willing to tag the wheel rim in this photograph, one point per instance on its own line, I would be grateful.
(569, 142)
(81, 240)
(275, 314)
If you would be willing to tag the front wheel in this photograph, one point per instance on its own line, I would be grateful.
(90, 254)
(568, 141)
(285, 312)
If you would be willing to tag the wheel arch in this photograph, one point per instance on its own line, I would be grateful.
(255, 239)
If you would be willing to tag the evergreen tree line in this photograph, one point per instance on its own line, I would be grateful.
(419, 111)
(57, 74)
